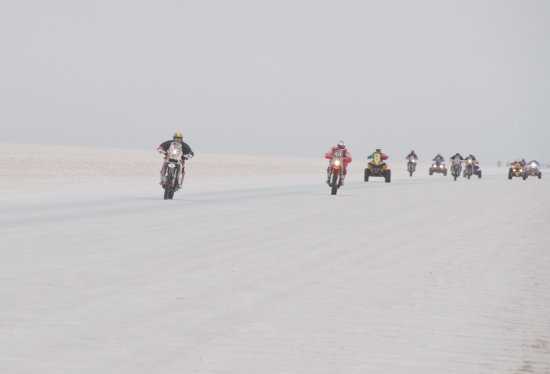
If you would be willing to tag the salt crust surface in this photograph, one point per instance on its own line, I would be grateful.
(255, 268)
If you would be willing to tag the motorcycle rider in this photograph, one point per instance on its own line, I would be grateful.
(412, 154)
(187, 153)
(438, 159)
(346, 157)
(382, 156)
(520, 163)
(457, 155)
(414, 157)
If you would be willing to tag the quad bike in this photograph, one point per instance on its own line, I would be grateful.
(336, 170)
(456, 168)
(438, 167)
(517, 170)
(377, 168)
(411, 166)
(533, 169)
(172, 170)
(471, 169)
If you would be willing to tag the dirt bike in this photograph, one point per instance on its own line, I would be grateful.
(411, 166)
(377, 168)
(172, 168)
(438, 167)
(517, 171)
(456, 168)
(336, 171)
(470, 169)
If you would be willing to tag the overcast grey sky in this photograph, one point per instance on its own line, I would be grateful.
(287, 77)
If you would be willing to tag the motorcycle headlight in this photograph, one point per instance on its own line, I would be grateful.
(336, 162)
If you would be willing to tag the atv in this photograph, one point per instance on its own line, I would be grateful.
(438, 167)
(517, 170)
(533, 169)
(377, 168)
(471, 168)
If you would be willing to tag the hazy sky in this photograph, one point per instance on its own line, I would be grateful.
(279, 77)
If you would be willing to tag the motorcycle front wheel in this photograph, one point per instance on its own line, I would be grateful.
(168, 189)
(334, 184)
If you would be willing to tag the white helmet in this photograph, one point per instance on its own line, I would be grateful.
(341, 144)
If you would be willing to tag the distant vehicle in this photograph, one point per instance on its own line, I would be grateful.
(411, 166)
(438, 167)
(377, 168)
(336, 169)
(471, 168)
(456, 167)
(517, 170)
(533, 169)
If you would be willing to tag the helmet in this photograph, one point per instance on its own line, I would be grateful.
(412, 152)
(439, 154)
(341, 144)
(178, 137)
(378, 150)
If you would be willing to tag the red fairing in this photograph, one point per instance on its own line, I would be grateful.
(346, 154)
(383, 156)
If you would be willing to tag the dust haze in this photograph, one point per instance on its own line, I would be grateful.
(280, 77)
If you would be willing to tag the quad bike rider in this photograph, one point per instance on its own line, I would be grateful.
(339, 157)
(472, 167)
(517, 169)
(456, 165)
(438, 165)
(377, 167)
(175, 153)
(411, 163)
(533, 168)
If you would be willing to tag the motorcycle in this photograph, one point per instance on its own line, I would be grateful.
(411, 166)
(517, 170)
(456, 168)
(470, 169)
(172, 170)
(438, 167)
(336, 170)
(377, 168)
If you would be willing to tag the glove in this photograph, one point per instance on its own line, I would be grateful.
(189, 155)
(162, 152)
